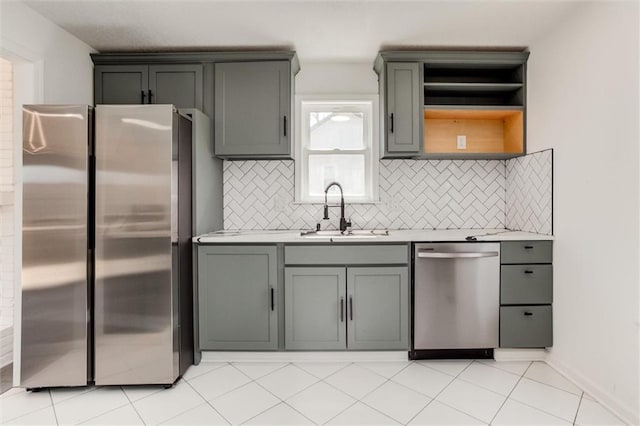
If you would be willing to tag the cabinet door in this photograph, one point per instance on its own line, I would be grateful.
(252, 103)
(378, 308)
(237, 288)
(315, 308)
(403, 108)
(121, 84)
(180, 85)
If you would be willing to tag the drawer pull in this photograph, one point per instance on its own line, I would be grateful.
(527, 314)
(528, 272)
(528, 247)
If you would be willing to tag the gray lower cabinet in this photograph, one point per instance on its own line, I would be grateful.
(238, 294)
(315, 308)
(403, 109)
(378, 306)
(526, 294)
(336, 308)
(526, 326)
(252, 109)
(177, 84)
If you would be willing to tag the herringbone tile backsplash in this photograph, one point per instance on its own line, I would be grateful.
(529, 201)
(414, 194)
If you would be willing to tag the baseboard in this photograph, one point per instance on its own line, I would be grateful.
(605, 398)
(343, 356)
(520, 354)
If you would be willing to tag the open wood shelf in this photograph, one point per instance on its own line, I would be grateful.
(488, 131)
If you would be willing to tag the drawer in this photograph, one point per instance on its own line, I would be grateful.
(526, 284)
(346, 255)
(525, 252)
(525, 327)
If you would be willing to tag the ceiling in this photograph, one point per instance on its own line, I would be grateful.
(328, 30)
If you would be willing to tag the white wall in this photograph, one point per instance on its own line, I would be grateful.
(337, 78)
(67, 70)
(50, 66)
(583, 102)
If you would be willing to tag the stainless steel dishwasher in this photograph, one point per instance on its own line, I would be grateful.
(456, 299)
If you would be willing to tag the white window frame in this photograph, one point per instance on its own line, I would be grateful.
(367, 104)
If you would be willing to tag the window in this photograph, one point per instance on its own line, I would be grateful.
(337, 142)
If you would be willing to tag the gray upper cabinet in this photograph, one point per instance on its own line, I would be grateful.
(402, 118)
(378, 308)
(253, 109)
(315, 308)
(452, 104)
(238, 297)
(177, 84)
(121, 84)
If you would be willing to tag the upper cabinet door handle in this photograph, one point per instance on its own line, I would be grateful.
(284, 125)
(391, 122)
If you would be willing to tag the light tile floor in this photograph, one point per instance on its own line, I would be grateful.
(334, 393)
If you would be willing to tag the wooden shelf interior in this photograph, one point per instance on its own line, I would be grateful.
(487, 131)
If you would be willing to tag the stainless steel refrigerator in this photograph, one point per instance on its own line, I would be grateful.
(106, 277)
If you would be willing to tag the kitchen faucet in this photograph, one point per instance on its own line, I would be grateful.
(343, 222)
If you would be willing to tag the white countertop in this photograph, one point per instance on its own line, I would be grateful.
(395, 236)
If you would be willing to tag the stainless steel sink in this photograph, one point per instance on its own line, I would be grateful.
(353, 233)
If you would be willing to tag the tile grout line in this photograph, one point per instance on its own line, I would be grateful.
(575, 418)
(282, 401)
(108, 411)
(53, 406)
(360, 400)
(486, 388)
(202, 374)
(133, 405)
(442, 390)
(206, 401)
(286, 363)
(356, 399)
(226, 392)
(341, 391)
(538, 408)
(512, 389)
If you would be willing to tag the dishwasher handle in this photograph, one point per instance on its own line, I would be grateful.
(456, 255)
